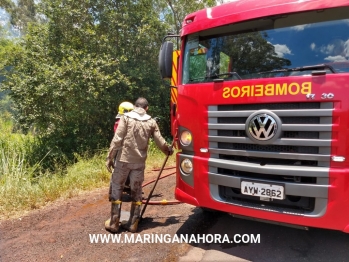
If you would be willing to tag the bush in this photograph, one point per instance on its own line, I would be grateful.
(25, 184)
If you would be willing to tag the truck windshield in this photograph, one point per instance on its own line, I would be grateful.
(270, 47)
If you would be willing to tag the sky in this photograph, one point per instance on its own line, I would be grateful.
(310, 44)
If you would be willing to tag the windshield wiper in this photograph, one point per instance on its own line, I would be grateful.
(196, 79)
(215, 77)
(303, 68)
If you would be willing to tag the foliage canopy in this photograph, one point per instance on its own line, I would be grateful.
(79, 59)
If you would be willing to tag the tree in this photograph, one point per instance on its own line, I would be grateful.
(173, 12)
(7, 47)
(71, 73)
(65, 99)
(22, 12)
(74, 67)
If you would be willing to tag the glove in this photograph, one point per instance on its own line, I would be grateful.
(109, 164)
(170, 150)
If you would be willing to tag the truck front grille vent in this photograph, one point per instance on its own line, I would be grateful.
(269, 161)
(271, 178)
(270, 148)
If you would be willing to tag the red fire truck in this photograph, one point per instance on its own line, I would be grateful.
(260, 106)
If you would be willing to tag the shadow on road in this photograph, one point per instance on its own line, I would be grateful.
(149, 222)
(277, 243)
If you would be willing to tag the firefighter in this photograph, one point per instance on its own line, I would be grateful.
(130, 145)
(124, 107)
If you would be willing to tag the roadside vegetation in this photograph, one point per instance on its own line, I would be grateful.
(64, 69)
(24, 187)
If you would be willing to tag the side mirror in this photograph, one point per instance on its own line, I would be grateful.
(165, 59)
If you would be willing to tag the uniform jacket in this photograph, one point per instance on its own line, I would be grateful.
(130, 141)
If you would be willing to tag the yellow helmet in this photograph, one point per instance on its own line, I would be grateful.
(125, 107)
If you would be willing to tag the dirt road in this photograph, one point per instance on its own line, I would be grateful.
(62, 231)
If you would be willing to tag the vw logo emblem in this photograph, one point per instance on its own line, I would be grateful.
(263, 126)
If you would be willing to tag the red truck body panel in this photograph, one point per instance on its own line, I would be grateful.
(195, 99)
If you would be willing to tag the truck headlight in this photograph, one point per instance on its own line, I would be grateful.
(187, 166)
(186, 138)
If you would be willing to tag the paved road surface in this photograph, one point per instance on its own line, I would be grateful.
(277, 243)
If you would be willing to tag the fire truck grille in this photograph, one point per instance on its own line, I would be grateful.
(306, 132)
(299, 158)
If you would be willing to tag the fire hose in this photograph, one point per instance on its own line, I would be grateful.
(155, 183)
(164, 201)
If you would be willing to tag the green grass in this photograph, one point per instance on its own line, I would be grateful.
(23, 189)
(156, 158)
(20, 191)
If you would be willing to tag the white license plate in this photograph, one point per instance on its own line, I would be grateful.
(262, 190)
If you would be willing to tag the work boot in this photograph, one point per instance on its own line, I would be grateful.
(132, 224)
(126, 223)
(112, 224)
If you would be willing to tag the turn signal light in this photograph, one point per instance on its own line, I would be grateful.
(186, 138)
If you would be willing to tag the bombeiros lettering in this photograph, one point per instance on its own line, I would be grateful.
(277, 89)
